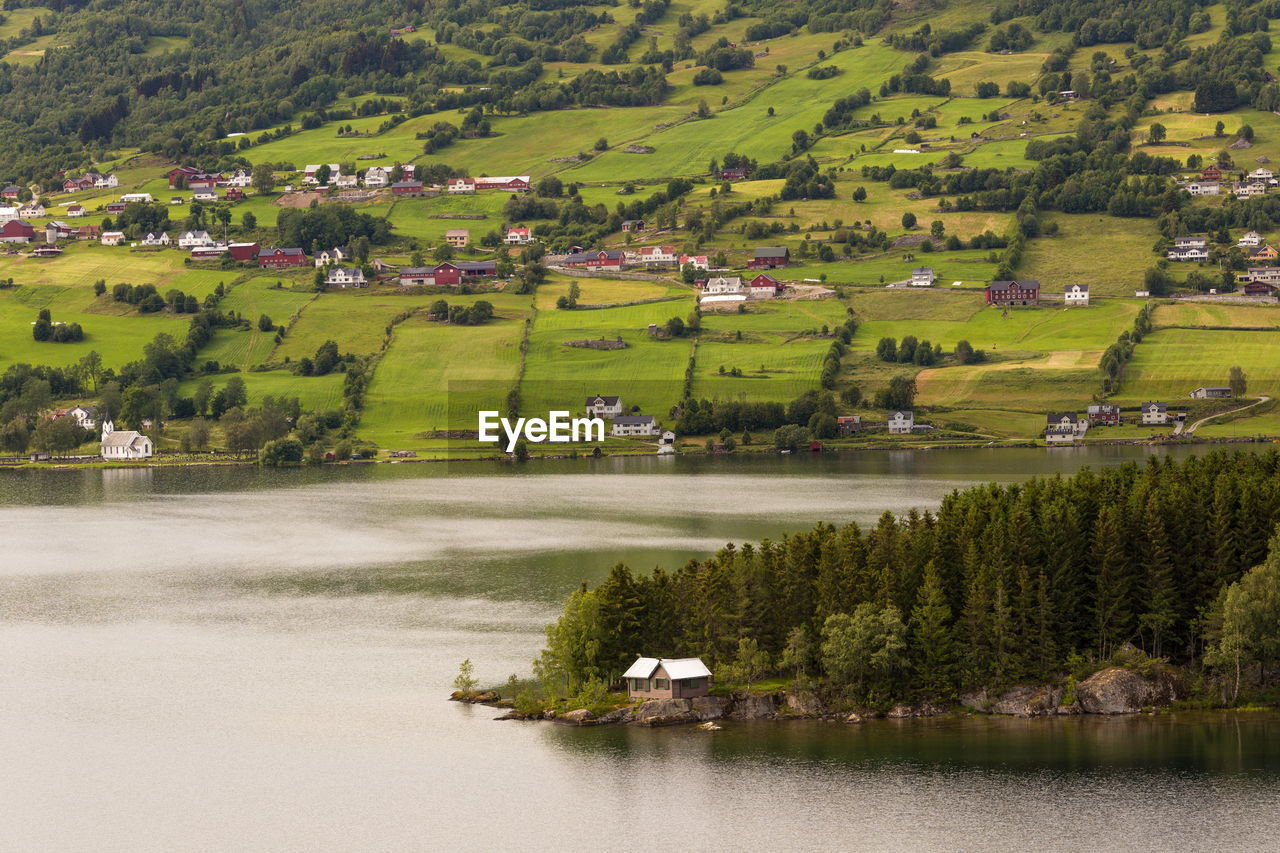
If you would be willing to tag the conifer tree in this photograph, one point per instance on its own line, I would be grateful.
(1158, 612)
(932, 653)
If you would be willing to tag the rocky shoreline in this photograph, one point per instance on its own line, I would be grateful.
(1110, 691)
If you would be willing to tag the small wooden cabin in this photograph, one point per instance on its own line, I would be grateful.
(665, 678)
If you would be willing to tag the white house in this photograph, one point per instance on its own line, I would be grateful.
(204, 195)
(1248, 190)
(901, 422)
(1155, 413)
(604, 407)
(112, 238)
(1261, 174)
(346, 182)
(1250, 240)
(377, 176)
(1203, 187)
(309, 174)
(194, 239)
(1064, 428)
(1190, 242)
(240, 178)
(922, 277)
(460, 186)
(344, 277)
(8, 214)
(106, 181)
(124, 444)
(335, 255)
(657, 256)
(1188, 253)
(83, 415)
(517, 236)
(156, 238)
(31, 210)
(1076, 294)
(145, 198)
(698, 262)
(76, 211)
(634, 425)
(721, 285)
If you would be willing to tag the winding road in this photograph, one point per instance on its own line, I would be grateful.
(1197, 424)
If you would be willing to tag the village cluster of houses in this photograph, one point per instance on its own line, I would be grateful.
(1258, 182)
(628, 426)
(1067, 427)
(1263, 275)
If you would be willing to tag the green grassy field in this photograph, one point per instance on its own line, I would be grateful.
(1170, 363)
(436, 376)
(313, 392)
(1109, 255)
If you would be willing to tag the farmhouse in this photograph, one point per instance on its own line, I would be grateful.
(1258, 288)
(769, 257)
(1211, 393)
(204, 195)
(1013, 293)
(377, 177)
(1261, 175)
(1155, 413)
(1211, 173)
(407, 189)
(342, 182)
(282, 258)
(1195, 242)
(604, 407)
(667, 678)
(209, 252)
(411, 276)
(7, 213)
(698, 262)
(234, 194)
(88, 232)
(123, 444)
(337, 254)
(10, 192)
(605, 259)
(1064, 428)
(632, 225)
(1248, 190)
(460, 186)
(901, 423)
(511, 184)
(1104, 414)
(116, 207)
(193, 239)
(458, 238)
(83, 415)
(922, 277)
(140, 198)
(243, 252)
(721, 285)
(240, 178)
(112, 238)
(1249, 240)
(657, 256)
(75, 185)
(765, 286)
(32, 210)
(1203, 187)
(1269, 275)
(737, 173)
(1076, 294)
(56, 231)
(156, 238)
(518, 236)
(849, 424)
(633, 425)
(345, 277)
(75, 211)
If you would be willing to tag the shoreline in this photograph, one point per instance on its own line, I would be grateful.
(26, 465)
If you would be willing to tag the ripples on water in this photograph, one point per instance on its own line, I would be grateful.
(231, 660)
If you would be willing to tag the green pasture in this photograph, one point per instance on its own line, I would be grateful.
(1170, 363)
(1109, 254)
(313, 392)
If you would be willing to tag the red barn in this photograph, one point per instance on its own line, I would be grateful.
(601, 260)
(769, 257)
(447, 274)
(1211, 173)
(1013, 293)
(17, 231)
(244, 251)
(407, 188)
(178, 177)
(736, 174)
(235, 194)
(279, 258)
(478, 269)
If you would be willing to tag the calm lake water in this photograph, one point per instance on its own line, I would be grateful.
(223, 659)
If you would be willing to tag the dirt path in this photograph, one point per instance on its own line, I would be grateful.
(1197, 424)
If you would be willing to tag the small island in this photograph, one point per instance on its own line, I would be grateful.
(1114, 591)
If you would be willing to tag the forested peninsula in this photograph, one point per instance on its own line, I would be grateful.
(1169, 569)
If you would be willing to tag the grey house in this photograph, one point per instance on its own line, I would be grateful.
(668, 678)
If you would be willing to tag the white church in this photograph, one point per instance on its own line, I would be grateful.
(124, 444)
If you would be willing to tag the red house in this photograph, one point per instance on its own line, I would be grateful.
(17, 231)
(178, 177)
(9, 192)
(1211, 173)
(735, 174)
(766, 285)
(279, 258)
(1258, 288)
(235, 194)
(116, 207)
(769, 257)
(1013, 293)
(75, 185)
(244, 251)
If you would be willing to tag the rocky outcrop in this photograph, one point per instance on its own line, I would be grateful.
(710, 707)
(975, 700)
(752, 706)
(475, 697)
(899, 712)
(1121, 691)
(803, 704)
(580, 717)
(1030, 700)
(664, 712)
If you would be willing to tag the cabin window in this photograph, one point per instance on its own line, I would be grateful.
(693, 683)
(661, 684)
(638, 684)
